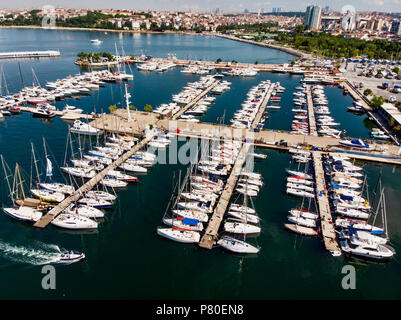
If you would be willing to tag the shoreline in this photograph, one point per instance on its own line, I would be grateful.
(291, 51)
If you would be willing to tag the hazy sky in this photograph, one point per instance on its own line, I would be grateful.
(205, 5)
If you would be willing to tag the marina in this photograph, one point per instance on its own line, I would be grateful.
(248, 201)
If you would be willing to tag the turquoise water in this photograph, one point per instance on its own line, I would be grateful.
(126, 258)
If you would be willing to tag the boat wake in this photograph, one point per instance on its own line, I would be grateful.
(38, 254)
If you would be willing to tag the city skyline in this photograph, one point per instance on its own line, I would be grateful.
(209, 5)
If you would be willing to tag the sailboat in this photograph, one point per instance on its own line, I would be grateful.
(365, 244)
(240, 245)
(84, 211)
(183, 229)
(45, 194)
(73, 221)
(27, 211)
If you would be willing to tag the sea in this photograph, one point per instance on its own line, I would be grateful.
(125, 258)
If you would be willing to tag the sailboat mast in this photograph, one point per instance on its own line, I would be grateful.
(127, 96)
(20, 180)
(6, 175)
(35, 163)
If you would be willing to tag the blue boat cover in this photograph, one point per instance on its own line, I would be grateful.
(335, 186)
(344, 197)
(191, 222)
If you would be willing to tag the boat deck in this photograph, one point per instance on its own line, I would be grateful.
(53, 213)
(326, 221)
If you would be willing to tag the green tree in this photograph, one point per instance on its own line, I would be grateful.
(148, 108)
(256, 62)
(112, 108)
(219, 60)
(82, 55)
(376, 102)
(396, 70)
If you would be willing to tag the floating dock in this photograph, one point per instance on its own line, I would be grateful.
(53, 213)
(29, 54)
(326, 220)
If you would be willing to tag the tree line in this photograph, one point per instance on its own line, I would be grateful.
(339, 46)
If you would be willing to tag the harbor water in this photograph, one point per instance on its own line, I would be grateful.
(125, 258)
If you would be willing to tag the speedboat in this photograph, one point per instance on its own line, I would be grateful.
(96, 41)
(71, 256)
(355, 143)
(71, 109)
(80, 127)
(43, 113)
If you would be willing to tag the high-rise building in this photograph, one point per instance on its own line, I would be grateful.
(396, 27)
(313, 17)
(217, 11)
(348, 22)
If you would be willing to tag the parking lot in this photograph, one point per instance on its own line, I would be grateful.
(365, 76)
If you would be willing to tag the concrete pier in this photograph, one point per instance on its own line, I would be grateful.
(311, 112)
(326, 220)
(212, 229)
(195, 100)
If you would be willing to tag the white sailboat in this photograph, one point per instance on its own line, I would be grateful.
(236, 245)
(84, 211)
(179, 234)
(23, 213)
(73, 221)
